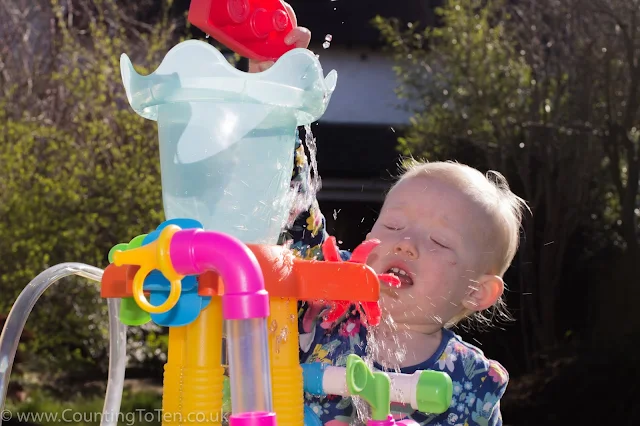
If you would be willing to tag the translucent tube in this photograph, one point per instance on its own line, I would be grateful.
(10, 337)
(249, 375)
(117, 365)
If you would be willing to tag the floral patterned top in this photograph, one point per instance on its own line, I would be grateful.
(478, 382)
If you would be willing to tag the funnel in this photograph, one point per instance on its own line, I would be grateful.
(227, 137)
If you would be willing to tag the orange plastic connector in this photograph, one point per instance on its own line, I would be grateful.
(288, 276)
(117, 281)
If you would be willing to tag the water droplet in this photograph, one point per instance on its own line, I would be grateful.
(207, 36)
(326, 45)
(328, 37)
(292, 318)
(273, 326)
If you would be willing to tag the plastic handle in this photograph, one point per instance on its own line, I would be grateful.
(375, 388)
(434, 392)
(150, 257)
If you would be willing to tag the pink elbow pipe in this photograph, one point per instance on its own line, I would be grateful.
(195, 251)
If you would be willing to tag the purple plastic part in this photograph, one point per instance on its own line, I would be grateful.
(253, 418)
(391, 422)
(194, 251)
(407, 422)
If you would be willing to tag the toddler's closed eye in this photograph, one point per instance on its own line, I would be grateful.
(439, 243)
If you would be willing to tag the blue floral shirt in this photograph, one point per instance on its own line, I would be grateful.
(478, 382)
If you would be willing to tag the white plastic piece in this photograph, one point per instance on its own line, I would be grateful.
(403, 386)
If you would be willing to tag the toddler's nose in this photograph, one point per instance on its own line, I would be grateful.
(407, 248)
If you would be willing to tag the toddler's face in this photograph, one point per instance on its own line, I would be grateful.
(432, 237)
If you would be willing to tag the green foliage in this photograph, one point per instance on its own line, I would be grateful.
(541, 92)
(465, 79)
(79, 172)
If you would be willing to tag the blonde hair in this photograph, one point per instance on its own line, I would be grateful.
(492, 192)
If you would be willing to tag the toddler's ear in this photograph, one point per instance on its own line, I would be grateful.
(485, 293)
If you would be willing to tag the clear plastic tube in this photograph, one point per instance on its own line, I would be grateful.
(10, 337)
(117, 365)
(249, 375)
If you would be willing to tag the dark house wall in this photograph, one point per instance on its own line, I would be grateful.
(357, 164)
(348, 21)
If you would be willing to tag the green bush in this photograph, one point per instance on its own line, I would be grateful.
(79, 173)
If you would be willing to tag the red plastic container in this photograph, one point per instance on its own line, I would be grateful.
(254, 29)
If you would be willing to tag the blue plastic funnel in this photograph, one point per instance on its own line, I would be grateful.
(227, 137)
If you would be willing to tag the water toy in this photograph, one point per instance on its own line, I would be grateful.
(226, 137)
(200, 305)
(226, 141)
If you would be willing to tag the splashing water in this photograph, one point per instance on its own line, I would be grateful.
(327, 41)
(273, 327)
(383, 345)
(303, 198)
(384, 348)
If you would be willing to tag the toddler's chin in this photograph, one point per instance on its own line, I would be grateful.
(391, 306)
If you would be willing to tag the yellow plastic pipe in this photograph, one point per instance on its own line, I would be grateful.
(286, 373)
(172, 391)
(193, 374)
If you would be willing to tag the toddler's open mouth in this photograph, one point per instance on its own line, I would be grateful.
(402, 275)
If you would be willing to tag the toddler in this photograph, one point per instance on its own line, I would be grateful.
(448, 233)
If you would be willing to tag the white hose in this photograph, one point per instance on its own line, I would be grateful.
(10, 337)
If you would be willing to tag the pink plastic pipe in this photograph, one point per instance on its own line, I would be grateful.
(195, 251)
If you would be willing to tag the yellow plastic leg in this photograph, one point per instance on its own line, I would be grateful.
(172, 391)
(198, 394)
(286, 373)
